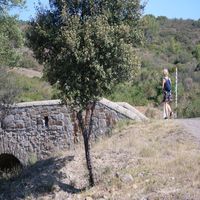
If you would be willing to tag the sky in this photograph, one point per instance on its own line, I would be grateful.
(185, 9)
(29, 11)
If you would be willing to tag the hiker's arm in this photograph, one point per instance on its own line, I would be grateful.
(163, 84)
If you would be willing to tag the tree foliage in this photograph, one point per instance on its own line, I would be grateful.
(6, 5)
(196, 52)
(8, 88)
(87, 46)
(151, 28)
(10, 35)
(10, 40)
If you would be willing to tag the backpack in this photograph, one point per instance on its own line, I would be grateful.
(167, 86)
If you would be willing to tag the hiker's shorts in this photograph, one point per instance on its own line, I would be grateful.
(167, 96)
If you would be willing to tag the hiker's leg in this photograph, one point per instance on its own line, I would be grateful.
(166, 110)
(169, 108)
(163, 111)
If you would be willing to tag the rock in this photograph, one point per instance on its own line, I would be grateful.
(104, 197)
(62, 196)
(55, 188)
(88, 198)
(135, 186)
(78, 196)
(127, 178)
(144, 198)
(117, 174)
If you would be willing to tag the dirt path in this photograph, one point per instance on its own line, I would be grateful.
(191, 125)
(27, 72)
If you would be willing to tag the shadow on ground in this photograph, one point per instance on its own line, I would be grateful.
(38, 179)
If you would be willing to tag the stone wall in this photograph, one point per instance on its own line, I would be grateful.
(44, 128)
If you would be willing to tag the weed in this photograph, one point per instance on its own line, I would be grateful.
(32, 159)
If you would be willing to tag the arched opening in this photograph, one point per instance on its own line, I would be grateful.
(9, 164)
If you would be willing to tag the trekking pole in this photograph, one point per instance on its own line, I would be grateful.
(176, 91)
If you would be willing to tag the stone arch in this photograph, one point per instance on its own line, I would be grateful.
(9, 162)
(12, 148)
(18, 155)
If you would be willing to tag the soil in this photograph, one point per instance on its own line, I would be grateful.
(191, 125)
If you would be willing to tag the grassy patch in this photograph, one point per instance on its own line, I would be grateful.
(33, 89)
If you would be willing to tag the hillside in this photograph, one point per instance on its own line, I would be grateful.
(154, 160)
(169, 43)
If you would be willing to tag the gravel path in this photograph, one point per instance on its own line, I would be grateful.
(191, 125)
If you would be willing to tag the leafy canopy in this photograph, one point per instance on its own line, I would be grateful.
(10, 35)
(8, 88)
(87, 46)
(5, 5)
(10, 40)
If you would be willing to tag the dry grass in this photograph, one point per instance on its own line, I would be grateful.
(163, 160)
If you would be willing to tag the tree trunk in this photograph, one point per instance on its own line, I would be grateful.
(86, 132)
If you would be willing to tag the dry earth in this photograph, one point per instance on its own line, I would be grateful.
(192, 126)
(27, 72)
(156, 160)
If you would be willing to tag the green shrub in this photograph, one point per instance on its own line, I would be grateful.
(27, 62)
(32, 89)
(131, 94)
(32, 159)
(191, 109)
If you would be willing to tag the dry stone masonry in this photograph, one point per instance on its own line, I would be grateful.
(43, 128)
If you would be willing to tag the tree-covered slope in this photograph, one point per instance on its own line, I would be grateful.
(169, 43)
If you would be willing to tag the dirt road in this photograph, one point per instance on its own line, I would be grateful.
(191, 125)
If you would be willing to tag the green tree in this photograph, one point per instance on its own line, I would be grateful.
(10, 40)
(8, 93)
(151, 28)
(174, 46)
(6, 5)
(196, 52)
(10, 35)
(87, 47)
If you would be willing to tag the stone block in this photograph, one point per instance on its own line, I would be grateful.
(8, 119)
(19, 124)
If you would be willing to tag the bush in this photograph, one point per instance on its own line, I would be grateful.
(32, 89)
(28, 63)
(192, 109)
(131, 94)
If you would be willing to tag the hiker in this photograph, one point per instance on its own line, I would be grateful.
(167, 96)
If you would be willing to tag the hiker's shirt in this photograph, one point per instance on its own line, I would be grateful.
(167, 96)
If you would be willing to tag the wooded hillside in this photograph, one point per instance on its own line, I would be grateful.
(169, 43)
